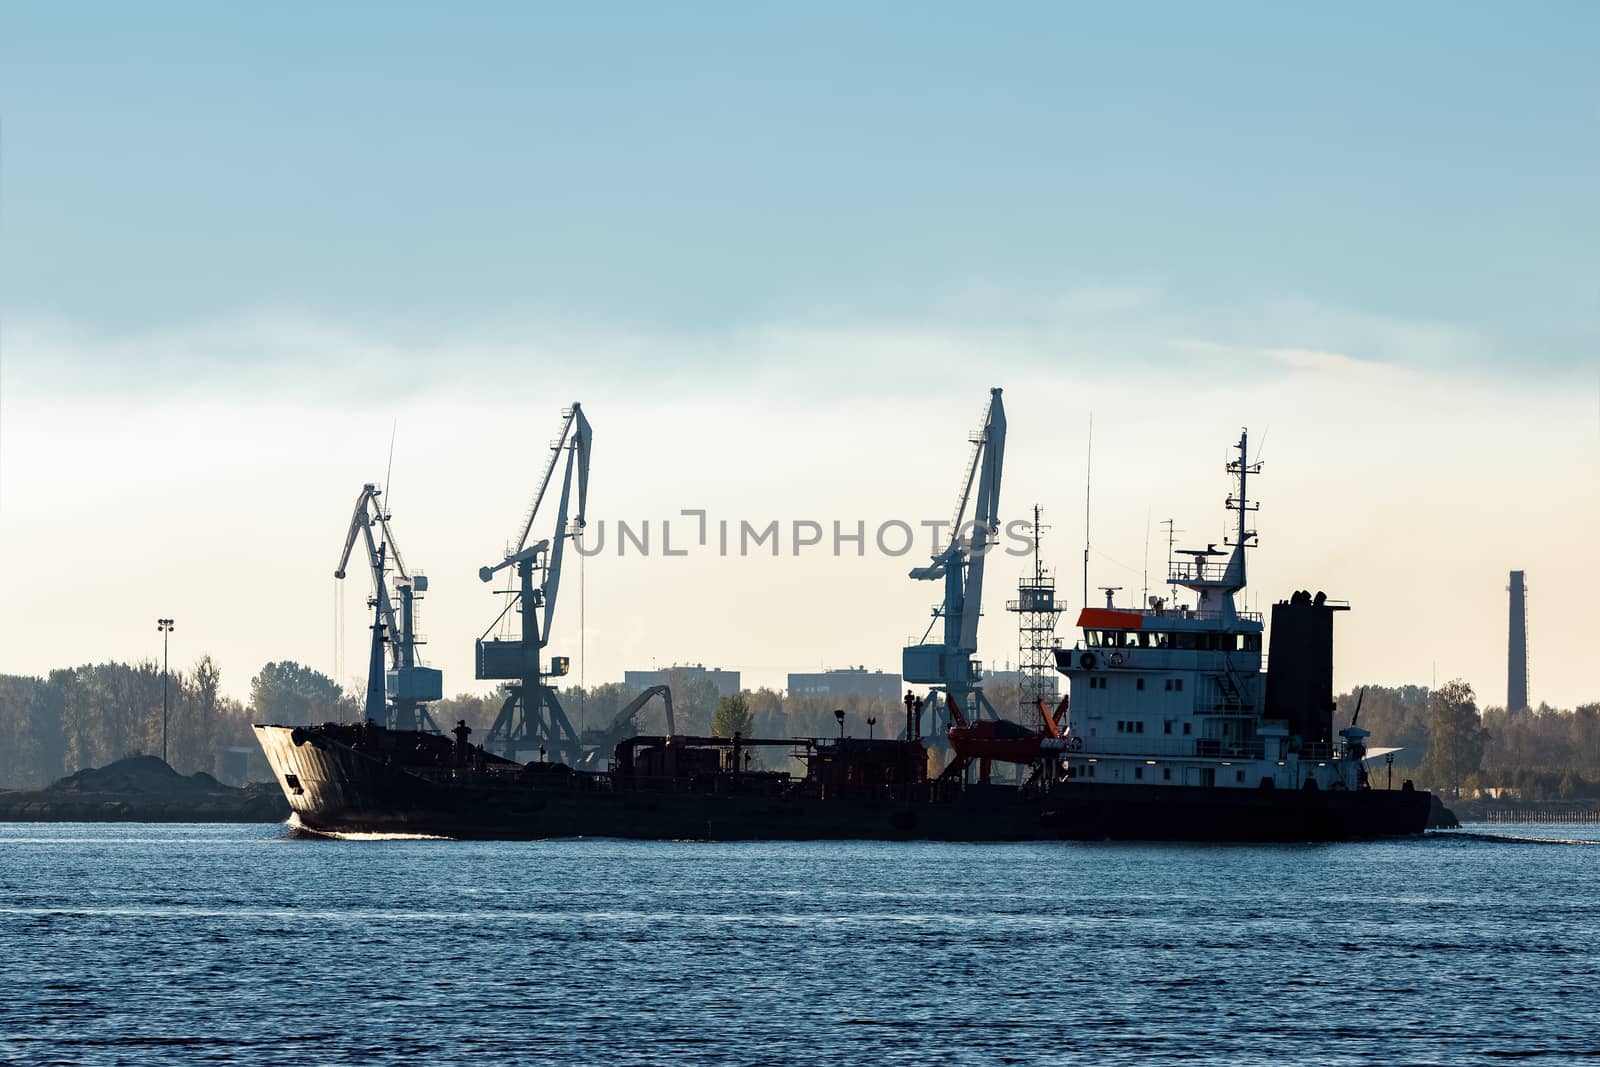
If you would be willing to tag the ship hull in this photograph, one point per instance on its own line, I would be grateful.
(334, 788)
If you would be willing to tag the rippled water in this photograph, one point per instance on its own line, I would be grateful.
(244, 944)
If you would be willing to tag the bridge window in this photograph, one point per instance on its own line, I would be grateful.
(1252, 642)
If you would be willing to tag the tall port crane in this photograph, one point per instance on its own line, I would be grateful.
(406, 684)
(946, 664)
(531, 720)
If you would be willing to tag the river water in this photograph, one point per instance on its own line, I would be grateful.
(132, 944)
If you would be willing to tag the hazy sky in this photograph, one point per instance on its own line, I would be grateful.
(780, 257)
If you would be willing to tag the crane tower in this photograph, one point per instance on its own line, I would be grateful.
(396, 697)
(532, 722)
(946, 664)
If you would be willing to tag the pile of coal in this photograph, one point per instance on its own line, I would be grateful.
(142, 789)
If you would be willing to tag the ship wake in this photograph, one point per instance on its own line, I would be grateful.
(1511, 839)
(297, 827)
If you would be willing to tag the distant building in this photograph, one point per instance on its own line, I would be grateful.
(857, 681)
(993, 677)
(726, 683)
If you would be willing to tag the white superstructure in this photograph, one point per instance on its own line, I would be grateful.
(1175, 694)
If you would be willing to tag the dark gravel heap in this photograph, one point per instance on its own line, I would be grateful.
(141, 776)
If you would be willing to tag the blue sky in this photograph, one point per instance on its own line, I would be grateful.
(237, 243)
(696, 167)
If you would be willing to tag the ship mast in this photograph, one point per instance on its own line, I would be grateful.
(1241, 468)
(1216, 583)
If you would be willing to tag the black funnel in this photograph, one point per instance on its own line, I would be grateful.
(1300, 667)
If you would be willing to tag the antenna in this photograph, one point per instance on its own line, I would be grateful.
(1038, 568)
(389, 470)
(1088, 474)
(1144, 598)
(1172, 540)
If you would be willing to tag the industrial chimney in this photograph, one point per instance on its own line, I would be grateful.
(1517, 646)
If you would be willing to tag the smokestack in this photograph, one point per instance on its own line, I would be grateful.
(1517, 646)
(1300, 667)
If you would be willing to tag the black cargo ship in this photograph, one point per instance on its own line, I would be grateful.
(350, 779)
(1171, 730)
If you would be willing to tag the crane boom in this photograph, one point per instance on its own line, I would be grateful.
(985, 515)
(629, 710)
(978, 440)
(577, 456)
(575, 425)
(360, 519)
(379, 554)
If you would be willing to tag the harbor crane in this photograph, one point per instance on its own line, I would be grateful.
(532, 723)
(946, 664)
(396, 697)
(600, 743)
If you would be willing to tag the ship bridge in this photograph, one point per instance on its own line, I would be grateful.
(1175, 693)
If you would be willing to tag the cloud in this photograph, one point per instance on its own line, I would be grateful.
(246, 439)
(1101, 335)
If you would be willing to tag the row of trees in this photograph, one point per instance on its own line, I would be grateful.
(91, 715)
(1452, 747)
(697, 709)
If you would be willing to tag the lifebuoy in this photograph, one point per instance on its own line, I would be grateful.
(1086, 661)
(1074, 744)
(1115, 659)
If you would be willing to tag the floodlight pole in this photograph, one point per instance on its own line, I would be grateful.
(165, 626)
